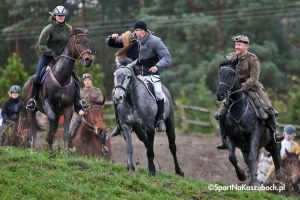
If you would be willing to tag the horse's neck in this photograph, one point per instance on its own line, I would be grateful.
(238, 100)
(137, 95)
(63, 67)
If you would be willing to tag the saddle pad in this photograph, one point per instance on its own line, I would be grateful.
(149, 87)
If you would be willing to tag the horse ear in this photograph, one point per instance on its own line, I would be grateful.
(130, 65)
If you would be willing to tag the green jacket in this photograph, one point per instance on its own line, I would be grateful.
(248, 68)
(54, 38)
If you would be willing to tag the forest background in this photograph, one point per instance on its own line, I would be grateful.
(197, 32)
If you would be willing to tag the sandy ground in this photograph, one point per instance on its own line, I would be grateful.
(197, 156)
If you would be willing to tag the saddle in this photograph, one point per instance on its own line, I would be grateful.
(258, 105)
(148, 85)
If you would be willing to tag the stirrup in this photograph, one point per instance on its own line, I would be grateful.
(222, 144)
(83, 104)
(31, 104)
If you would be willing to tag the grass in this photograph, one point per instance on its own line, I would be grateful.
(29, 174)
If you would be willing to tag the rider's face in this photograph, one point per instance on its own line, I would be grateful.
(240, 48)
(60, 18)
(87, 82)
(140, 33)
(14, 95)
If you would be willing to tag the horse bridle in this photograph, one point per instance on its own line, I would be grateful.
(77, 49)
(121, 86)
(88, 125)
(230, 92)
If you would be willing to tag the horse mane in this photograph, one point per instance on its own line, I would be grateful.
(76, 31)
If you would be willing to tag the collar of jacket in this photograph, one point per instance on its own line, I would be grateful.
(243, 56)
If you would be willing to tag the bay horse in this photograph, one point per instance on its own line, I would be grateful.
(136, 110)
(57, 92)
(91, 138)
(16, 134)
(241, 126)
(291, 170)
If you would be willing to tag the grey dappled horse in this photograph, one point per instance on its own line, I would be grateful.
(243, 129)
(137, 109)
(57, 92)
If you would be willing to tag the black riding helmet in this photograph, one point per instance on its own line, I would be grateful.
(14, 89)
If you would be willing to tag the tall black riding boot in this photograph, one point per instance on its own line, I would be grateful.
(74, 125)
(31, 104)
(79, 102)
(271, 124)
(117, 129)
(161, 127)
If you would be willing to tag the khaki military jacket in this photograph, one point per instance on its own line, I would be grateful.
(92, 95)
(248, 68)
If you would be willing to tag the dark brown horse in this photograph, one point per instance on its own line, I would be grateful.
(16, 134)
(91, 138)
(57, 92)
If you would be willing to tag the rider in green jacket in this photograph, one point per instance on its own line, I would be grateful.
(52, 41)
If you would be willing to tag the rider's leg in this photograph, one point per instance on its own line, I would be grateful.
(79, 102)
(160, 124)
(43, 61)
(74, 125)
(220, 115)
(271, 120)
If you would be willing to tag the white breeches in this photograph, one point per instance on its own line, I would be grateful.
(155, 80)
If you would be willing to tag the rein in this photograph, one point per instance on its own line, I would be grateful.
(90, 127)
(78, 52)
(122, 87)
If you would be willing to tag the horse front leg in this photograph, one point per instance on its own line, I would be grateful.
(53, 122)
(232, 158)
(274, 149)
(32, 123)
(253, 155)
(129, 148)
(67, 119)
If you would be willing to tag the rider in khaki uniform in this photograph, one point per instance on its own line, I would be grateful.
(91, 95)
(248, 68)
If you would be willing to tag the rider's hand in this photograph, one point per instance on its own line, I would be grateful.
(81, 112)
(153, 69)
(114, 36)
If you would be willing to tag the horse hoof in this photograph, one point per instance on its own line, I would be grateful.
(181, 173)
(152, 173)
(242, 176)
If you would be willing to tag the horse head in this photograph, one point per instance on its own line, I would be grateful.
(122, 78)
(79, 44)
(228, 78)
(291, 165)
(93, 119)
